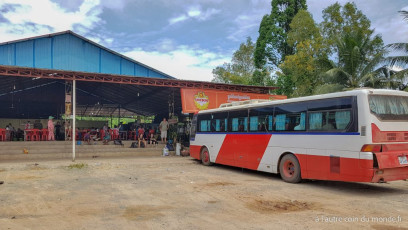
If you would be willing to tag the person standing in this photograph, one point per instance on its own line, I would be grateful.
(27, 125)
(164, 126)
(51, 136)
(7, 133)
(68, 131)
(58, 131)
(12, 132)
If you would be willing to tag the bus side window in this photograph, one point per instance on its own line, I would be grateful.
(239, 121)
(193, 127)
(342, 119)
(300, 122)
(205, 126)
(271, 123)
(234, 124)
(253, 124)
(218, 121)
(259, 119)
(315, 121)
(280, 122)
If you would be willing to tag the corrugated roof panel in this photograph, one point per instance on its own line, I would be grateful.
(141, 70)
(91, 60)
(68, 53)
(110, 63)
(128, 68)
(24, 54)
(155, 74)
(7, 56)
(42, 53)
(71, 52)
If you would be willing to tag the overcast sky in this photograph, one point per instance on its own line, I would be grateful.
(183, 38)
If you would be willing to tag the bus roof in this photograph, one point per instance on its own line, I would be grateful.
(355, 92)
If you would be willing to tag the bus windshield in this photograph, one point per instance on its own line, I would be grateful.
(387, 107)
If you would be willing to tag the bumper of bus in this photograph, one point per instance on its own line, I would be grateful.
(389, 167)
(390, 174)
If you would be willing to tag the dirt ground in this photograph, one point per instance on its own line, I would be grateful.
(180, 193)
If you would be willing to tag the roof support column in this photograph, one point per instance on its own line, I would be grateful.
(73, 118)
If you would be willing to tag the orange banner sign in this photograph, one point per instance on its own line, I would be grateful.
(194, 100)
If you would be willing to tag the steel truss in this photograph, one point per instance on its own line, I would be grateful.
(122, 79)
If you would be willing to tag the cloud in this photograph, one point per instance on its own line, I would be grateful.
(31, 18)
(177, 19)
(195, 12)
(184, 62)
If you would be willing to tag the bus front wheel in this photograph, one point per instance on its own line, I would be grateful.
(289, 169)
(205, 157)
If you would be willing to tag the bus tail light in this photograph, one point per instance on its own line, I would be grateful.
(371, 148)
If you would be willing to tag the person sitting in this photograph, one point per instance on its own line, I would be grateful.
(327, 125)
(94, 135)
(106, 138)
(87, 137)
(141, 139)
(115, 133)
(19, 134)
(78, 134)
(152, 139)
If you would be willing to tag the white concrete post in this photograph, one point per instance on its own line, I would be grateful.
(73, 118)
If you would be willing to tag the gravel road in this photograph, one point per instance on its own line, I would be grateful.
(180, 193)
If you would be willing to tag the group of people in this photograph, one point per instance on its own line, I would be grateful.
(150, 136)
(11, 132)
(56, 131)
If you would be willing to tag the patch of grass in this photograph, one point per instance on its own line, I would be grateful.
(77, 166)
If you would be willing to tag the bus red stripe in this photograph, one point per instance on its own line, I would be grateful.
(325, 168)
(243, 150)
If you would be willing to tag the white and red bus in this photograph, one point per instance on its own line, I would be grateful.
(359, 136)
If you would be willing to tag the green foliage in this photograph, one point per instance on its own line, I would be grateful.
(271, 45)
(328, 88)
(356, 65)
(241, 70)
(398, 79)
(300, 71)
(338, 20)
(77, 166)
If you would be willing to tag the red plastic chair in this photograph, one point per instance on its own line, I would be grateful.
(102, 134)
(112, 134)
(35, 135)
(2, 134)
(44, 134)
(28, 134)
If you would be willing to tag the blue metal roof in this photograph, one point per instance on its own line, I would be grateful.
(72, 52)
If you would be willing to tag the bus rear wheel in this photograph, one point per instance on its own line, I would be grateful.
(289, 169)
(205, 157)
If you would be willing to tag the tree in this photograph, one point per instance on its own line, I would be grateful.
(338, 20)
(271, 45)
(355, 68)
(398, 79)
(300, 71)
(347, 34)
(241, 70)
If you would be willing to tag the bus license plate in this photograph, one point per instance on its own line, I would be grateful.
(403, 160)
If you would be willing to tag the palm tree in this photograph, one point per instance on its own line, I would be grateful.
(400, 59)
(356, 63)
